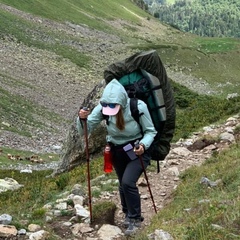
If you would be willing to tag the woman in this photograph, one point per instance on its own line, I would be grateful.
(123, 129)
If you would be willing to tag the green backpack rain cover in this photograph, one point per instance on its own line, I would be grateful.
(144, 77)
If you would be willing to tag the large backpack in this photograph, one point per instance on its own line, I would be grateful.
(144, 77)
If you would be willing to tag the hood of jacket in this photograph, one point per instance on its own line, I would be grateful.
(114, 92)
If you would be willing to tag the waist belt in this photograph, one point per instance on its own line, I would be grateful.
(120, 146)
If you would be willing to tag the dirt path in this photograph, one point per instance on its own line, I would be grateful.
(179, 159)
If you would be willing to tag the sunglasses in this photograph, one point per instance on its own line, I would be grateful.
(111, 105)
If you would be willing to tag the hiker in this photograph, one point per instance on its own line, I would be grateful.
(122, 129)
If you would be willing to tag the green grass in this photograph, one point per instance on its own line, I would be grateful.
(187, 218)
(90, 13)
(9, 156)
(18, 114)
(195, 111)
(28, 33)
(217, 45)
(170, 1)
(216, 61)
(184, 218)
(38, 190)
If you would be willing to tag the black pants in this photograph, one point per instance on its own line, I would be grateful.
(128, 172)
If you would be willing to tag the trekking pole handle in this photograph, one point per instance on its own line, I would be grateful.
(136, 144)
(85, 109)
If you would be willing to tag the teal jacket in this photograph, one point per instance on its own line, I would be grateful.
(114, 92)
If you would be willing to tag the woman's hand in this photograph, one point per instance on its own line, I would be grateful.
(83, 113)
(140, 150)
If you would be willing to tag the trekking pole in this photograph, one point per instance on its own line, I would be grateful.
(88, 164)
(145, 174)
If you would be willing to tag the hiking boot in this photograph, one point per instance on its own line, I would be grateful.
(127, 220)
(134, 225)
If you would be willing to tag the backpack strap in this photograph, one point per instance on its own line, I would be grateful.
(136, 115)
(135, 112)
(134, 109)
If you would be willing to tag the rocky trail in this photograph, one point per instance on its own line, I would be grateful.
(184, 154)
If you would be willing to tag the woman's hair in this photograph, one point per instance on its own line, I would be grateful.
(120, 123)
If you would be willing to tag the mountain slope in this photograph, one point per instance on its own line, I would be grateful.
(52, 55)
(50, 66)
